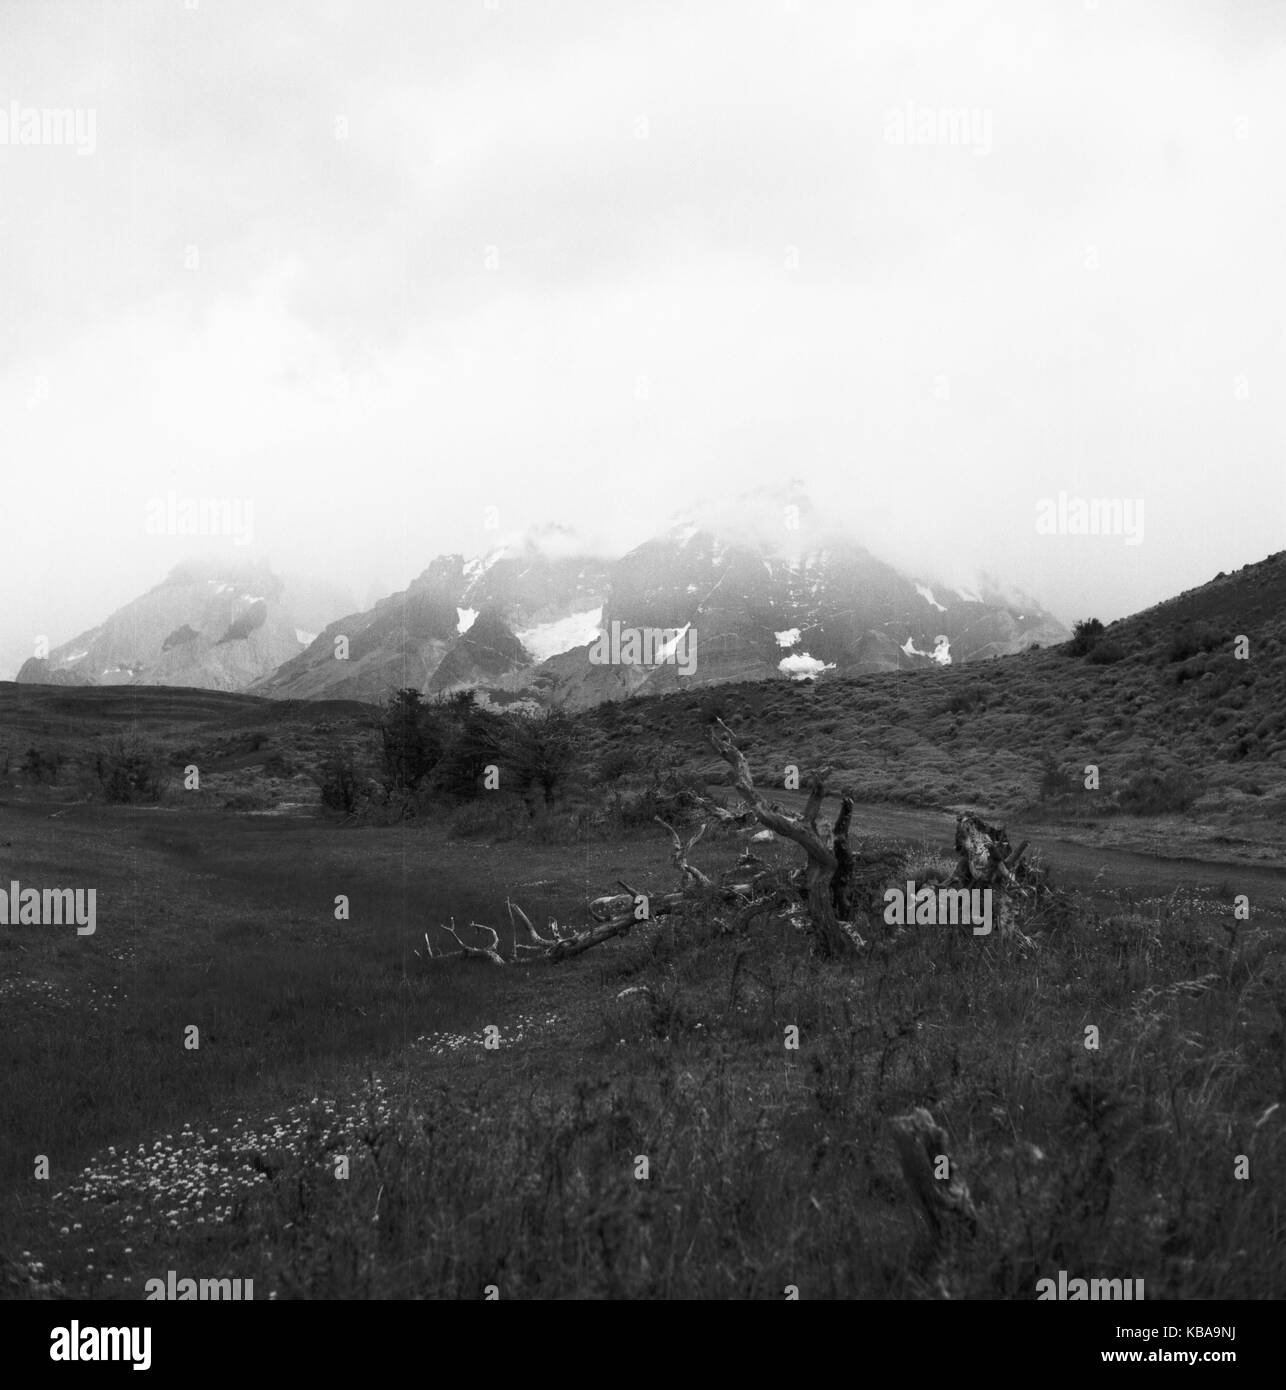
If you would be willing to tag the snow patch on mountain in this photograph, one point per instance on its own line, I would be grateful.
(307, 638)
(476, 568)
(465, 618)
(666, 649)
(788, 637)
(802, 667)
(941, 652)
(927, 595)
(552, 639)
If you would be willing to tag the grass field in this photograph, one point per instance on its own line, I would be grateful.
(521, 1165)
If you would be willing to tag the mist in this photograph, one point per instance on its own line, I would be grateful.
(410, 279)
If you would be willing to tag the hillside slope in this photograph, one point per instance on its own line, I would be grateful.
(1165, 695)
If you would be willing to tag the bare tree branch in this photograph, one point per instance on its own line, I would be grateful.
(688, 874)
(488, 953)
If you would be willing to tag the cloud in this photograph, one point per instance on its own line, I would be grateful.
(589, 265)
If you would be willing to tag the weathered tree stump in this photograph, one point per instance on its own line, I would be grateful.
(943, 1202)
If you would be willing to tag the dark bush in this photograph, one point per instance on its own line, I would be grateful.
(1153, 793)
(963, 701)
(1193, 638)
(340, 787)
(476, 743)
(42, 764)
(129, 769)
(1054, 782)
(1085, 636)
(411, 740)
(668, 793)
(528, 751)
(543, 747)
(1105, 653)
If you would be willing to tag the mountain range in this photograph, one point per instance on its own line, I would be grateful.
(800, 602)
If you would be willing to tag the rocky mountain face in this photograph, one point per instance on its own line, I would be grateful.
(707, 606)
(485, 623)
(215, 626)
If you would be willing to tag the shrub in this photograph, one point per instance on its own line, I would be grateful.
(339, 782)
(1085, 636)
(543, 748)
(669, 793)
(279, 764)
(1191, 639)
(1105, 653)
(1054, 782)
(42, 764)
(410, 741)
(963, 701)
(130, 769)
(613, 766)
(1152, 793)
(475, 743)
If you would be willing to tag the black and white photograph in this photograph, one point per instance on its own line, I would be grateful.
(643, 659)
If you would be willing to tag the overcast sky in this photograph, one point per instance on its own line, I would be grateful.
(377, 267)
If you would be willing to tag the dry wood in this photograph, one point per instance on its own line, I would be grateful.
(943, 1203)
(834, 937)
(825, 883)
(681, 852)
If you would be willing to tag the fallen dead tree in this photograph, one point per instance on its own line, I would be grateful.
(613, 915)
(822, 894)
